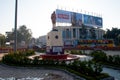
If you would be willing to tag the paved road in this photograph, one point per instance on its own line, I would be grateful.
(41, 74)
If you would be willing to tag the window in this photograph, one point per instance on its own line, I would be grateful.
(74, 33)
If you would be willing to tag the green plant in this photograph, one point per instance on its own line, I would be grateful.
(78, 52)
(36, 60)
(18, 58)
(86, 69)
(99, 56)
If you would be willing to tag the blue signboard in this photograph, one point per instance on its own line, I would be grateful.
(92, 20)
(98, 21)
(89, 20)
(77, 19)
(63, 16)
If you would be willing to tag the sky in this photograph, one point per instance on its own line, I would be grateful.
(35, 14)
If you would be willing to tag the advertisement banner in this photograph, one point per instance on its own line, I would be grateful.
(98, 21)
(89, 20)
(76, 19)
(69, 17)
(63, 16)
(92, 20)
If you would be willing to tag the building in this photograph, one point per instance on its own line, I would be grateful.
(72, 35)
(40, 42)
(81, 27)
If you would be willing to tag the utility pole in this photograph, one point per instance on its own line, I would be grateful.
(15, 31)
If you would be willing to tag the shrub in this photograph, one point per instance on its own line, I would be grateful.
(18, 58)
(86, 69)
(99, 56)
(40, 50)
(78, 52)
(116, 59)
(36, 61)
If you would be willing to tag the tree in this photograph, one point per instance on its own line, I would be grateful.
(2, 40)
(99, 56)
(23, 34)
(113, 34)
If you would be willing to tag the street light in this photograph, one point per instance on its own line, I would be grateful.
(15, 35)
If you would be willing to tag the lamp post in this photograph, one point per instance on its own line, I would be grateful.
(15, 34)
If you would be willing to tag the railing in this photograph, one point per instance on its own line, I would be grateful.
(6, 50)
(92, 48)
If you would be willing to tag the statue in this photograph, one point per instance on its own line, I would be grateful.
(53, 19)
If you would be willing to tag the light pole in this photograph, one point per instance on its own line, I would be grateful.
(15, 34)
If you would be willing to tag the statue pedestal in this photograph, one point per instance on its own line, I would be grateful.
(55, 49)
(54, 43)
(55, 57)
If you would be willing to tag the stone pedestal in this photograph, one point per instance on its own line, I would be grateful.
(54, 43)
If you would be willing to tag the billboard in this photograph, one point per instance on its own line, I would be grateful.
(63, 16)
(69, 17)
(77, 19)
(92, 20)
(88, 20)
(98, 21)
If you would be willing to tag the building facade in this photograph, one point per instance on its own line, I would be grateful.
(71, 35)
(83, 28)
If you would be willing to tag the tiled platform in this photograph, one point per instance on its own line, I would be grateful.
(21, 73)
